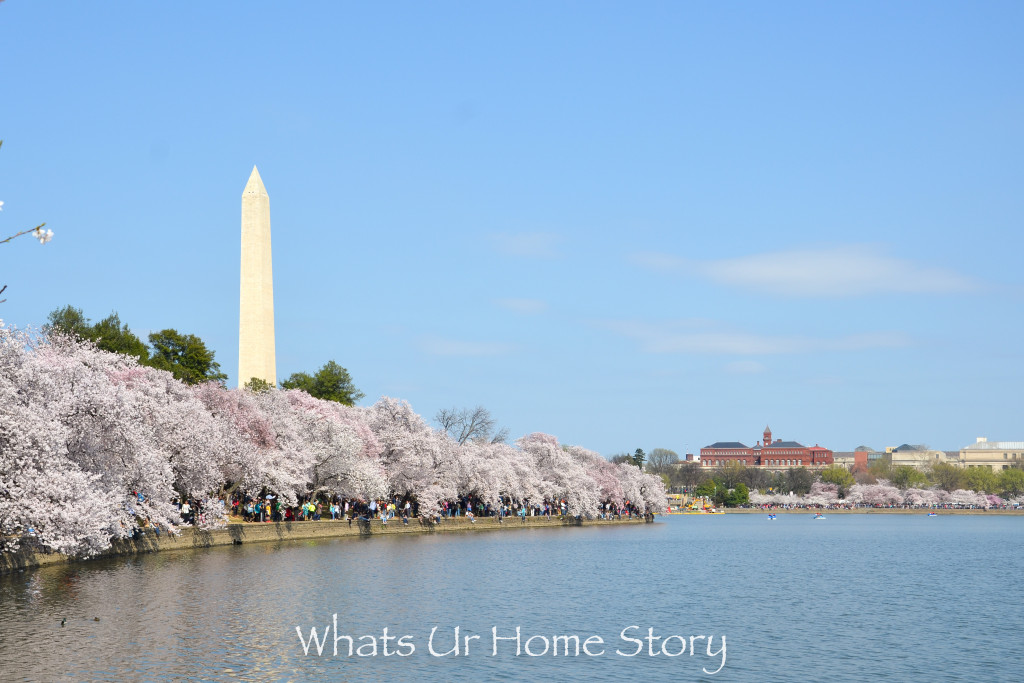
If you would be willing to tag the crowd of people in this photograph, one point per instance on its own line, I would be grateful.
(269, 508)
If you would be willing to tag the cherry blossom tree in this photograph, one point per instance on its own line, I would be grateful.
(822, 493)
(968, 498)
(261, 462)
(119, 444)
(418, 460)
(924, 497)
(881, 493)
(94, 445)
(562, 476)
(339, 448)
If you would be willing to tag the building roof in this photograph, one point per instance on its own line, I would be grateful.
(864, 449)
(784, 444)
(726, 444)
(994, 446)
(908, 447)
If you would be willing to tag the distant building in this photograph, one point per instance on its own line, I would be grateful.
(919, 457)
(858, 459)
(769, 454)
(845, 459)
(865, 456)
(998, 455)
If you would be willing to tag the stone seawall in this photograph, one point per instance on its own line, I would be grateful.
(255, 532)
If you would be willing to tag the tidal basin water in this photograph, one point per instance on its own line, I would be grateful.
(850, 598)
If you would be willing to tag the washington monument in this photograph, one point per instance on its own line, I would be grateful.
(256, 301)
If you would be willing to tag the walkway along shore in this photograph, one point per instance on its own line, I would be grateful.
(257, 532)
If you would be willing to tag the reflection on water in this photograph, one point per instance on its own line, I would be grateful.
(858, 597)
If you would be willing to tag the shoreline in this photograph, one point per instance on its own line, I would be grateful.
(237, 533)
(869, 511)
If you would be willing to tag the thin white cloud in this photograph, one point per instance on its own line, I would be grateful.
(699, 337)
(744, 367)
(658, 261)
(540, 245)
(847, 270)
(524, 306)
(452, 347)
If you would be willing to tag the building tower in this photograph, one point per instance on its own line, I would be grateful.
(767, 436)
(256, 299)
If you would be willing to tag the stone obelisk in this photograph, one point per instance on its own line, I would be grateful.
(256, 301)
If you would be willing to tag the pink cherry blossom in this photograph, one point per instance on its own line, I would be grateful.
(93, 445)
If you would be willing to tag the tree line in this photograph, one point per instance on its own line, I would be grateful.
(95, 445)
(732, 483)
(719, 483)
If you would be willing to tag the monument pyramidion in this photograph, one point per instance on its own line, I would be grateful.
(256, 357)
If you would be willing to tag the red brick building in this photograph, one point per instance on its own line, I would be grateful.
(769, 453)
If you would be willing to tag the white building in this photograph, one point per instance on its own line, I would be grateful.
(999, 455)
(919, 457)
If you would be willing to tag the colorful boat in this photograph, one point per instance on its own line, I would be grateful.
(702, 506)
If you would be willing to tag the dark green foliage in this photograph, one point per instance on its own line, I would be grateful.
(798, 480)
(947, 476)
(639, 457)
(258, 386)
(109, 334)
(331, 383)
(840, 476)
(1011, 482)
(905, 477)
(707, 488)
(980, 479)
(69, 320)
(185, 356)
(738, 496)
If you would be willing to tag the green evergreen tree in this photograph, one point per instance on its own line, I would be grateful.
(110, 335)
(639, 457)
(331, 383)
(185, 356)
(69, 320)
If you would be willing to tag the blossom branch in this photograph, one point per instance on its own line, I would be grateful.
(43, 236)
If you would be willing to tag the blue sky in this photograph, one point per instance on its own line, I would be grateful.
(625, 224)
